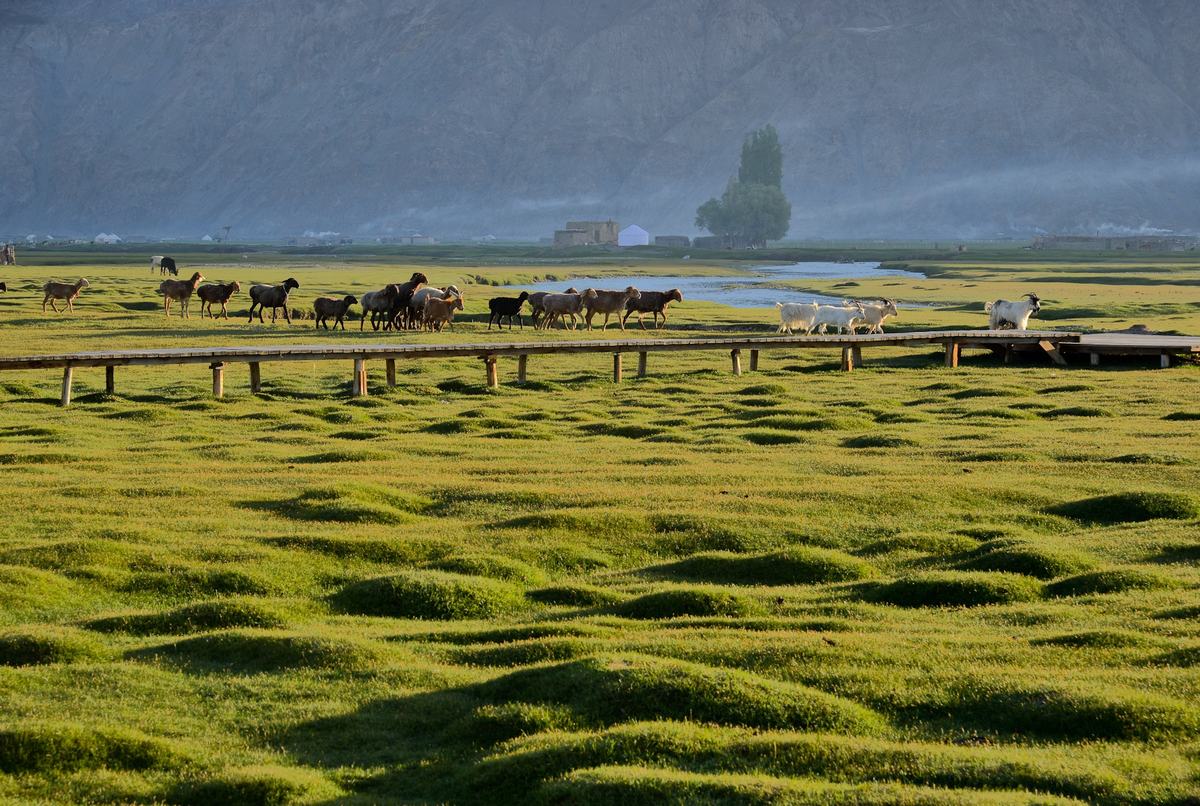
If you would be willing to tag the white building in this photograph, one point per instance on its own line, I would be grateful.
(633, 235)
(107, 237)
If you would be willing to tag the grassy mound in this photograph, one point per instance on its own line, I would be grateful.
(62, 748)
(1078, 411)
(794, 566)
(956, 589)
(196, 582)
(333, 457)
(1073, 714)
(493, 566)
(1120, 777)
(219, 614)
(1095, 639)
(524, 653)
(922, 542)
(634, 786)
(688, 602)
(878, 441)
(430, 595)
(1185, 657)
(609, 689)
(353, 503)
(372, 549)
(1017, 557)
(40, 645)
(681, 534)
(28, 589)
(764, 436)
(247, 652)
(256, 786)
(575, 596)
(492, 724)
(1110, 580)
(66, 555)
(1133, 507)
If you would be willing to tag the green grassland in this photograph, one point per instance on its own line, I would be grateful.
(903, 585)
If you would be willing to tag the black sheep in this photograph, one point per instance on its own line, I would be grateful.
(506, 306)
(398, 315)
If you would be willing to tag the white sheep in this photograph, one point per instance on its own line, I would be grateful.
(843, 318)
(798, 316)
(1004, 314)
(874, 314)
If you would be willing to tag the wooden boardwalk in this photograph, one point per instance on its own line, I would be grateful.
(1052, 343)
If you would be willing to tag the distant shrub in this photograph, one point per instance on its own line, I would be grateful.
(430, 595)
(956, 589)
(1131, 507)
(575, 596)
(1111, 580)
(688, 602)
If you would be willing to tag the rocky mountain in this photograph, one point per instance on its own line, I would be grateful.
(458, 117)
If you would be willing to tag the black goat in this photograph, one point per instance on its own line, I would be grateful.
(274, 295)
(398, 316)
(167, 266)
(506, 306)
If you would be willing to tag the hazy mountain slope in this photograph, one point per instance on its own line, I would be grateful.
(911, 117)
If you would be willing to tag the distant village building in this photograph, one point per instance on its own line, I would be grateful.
(674, 241)
(1126, 243)
(713, 242)
(633, 235)
(587, 233)
(107, 238)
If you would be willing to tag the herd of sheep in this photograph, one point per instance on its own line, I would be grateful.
(414, 305)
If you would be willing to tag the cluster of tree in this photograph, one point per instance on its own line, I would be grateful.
(753, 209)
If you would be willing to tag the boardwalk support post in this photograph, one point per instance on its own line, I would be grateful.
(110, 379)
(255, 377)
(616, 367)
(1051, 349)
(953, 350)
(218, 372)
(493, 378)
(736, 357)
(1164, 360)
(360, 377)
(390, 364)
(68, 376)
(1094, 359)
(754, 360)
(856, 355)
(522, 367)
(848, 359)
(642, 358)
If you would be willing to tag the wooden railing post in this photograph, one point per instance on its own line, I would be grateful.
(952, 353)
(360, 377)
(391, 372)
(616, 367)
(754, 360)
(642, 358)
(522, 367)
(218, 373)
(736, 357)
(68, 377)
(255, 378)
(848, 359)
(110, 379)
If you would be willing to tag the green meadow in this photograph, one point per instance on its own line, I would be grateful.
(904, 585)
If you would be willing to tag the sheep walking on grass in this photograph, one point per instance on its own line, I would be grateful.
(181, 291)
(506, 307)
(217, 294)
(609, 303)
(556, 307)
(440, 312)
(651, 302)
(326, 308)
(64, 291)
(1003, 314)
(273, 297)
(400, 316)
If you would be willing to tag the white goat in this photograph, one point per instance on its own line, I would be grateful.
(1004, 314)
(843, 318)
(155, 262)
(874, 314)
(797, 315)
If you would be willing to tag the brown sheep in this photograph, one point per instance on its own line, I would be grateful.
(652, 302)
(326, 307)
(181, 290)
(56, 291)
(217, 294)
(440, 312)
(609, 303)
